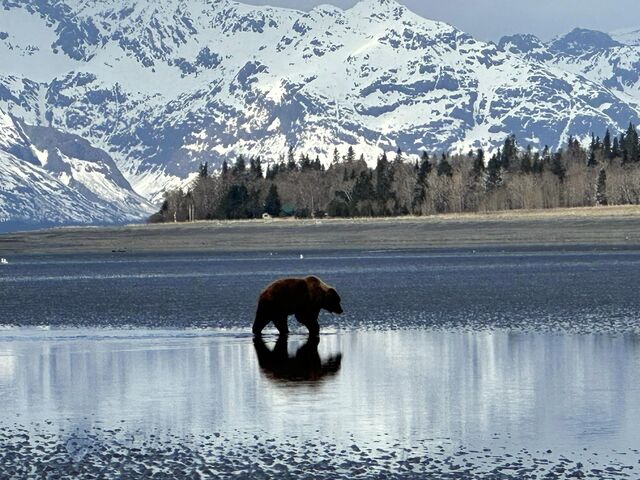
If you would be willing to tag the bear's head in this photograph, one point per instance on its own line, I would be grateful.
(332, 302)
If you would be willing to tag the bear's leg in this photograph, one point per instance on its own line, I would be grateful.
(262, 319)
(309, 320)
(281, 324)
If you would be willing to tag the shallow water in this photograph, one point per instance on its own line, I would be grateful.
(450, 365)
(392, 395)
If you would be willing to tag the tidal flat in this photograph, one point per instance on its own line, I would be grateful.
(457, 363)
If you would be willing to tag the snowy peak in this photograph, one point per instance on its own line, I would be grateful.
(379, 9)
(581, 41)
(525, 44)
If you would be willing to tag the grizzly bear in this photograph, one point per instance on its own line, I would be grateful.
(302, 297)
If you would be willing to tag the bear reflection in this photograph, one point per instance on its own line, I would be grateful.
(305, 365)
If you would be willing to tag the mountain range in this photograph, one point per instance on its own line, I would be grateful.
(152, 89)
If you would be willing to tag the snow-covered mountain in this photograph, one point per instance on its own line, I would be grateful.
(52, 178)
(612, 61)
(163, 86)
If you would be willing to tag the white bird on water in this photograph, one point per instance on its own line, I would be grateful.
(4, 261)
(301, 257)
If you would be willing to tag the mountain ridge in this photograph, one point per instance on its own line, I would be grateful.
(162, 88)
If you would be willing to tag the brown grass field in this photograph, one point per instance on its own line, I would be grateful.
(599, 226)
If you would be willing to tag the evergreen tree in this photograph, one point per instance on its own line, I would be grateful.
(351, 155)
(292, 166)
(256, 167)
(509, 153)
(240, 166)
(601, 188)
(204, 170)
(363, 189)
(624, 151)
(526, 163)
(384, 181)
(420, 190)
(425, 167)
(494, 171)
(615, 149)
(557, 167)
(631, 145)
(593, 150)
(305, 162)
(363, 194)
(272, 204)
(478, 164)
(236, 202)
(225, 168)
(444, 167)
(336, 156)
(606, 145)
(537, 165)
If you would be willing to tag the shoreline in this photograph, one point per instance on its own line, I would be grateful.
(617, 226)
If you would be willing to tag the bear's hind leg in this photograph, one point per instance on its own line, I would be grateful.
(261, 321)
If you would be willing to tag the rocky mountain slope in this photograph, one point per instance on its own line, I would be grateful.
(51, 178)
(163, 86)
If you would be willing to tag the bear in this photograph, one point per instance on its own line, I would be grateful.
(302, 297)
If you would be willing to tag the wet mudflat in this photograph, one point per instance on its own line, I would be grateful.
(581, 290)
(453, 364)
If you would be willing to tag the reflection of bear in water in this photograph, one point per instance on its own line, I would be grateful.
(302, 297)
(305, 365)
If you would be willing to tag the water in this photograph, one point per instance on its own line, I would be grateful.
(584, 291)
(450, 364)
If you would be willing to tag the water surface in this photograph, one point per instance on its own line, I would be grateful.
(450, 364)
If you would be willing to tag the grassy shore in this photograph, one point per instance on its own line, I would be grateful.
(606, 226)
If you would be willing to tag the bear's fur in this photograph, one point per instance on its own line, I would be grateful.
(302, 297)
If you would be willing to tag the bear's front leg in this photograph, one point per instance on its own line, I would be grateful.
(310, 320)
(281, 324)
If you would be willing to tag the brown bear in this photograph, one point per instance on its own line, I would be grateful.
(302, 297)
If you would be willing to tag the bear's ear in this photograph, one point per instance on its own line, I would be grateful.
(332, 293)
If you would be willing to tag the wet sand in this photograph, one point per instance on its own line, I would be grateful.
(608, 226)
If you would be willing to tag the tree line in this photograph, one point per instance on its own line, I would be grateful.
(605, 172)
